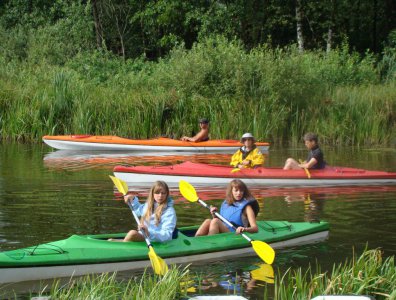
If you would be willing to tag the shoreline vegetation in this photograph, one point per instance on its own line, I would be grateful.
(369, 274)
(277, 94)
(148, 69)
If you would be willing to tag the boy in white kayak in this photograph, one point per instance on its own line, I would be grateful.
(202, 135)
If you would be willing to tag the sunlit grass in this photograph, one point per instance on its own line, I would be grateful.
(105, 286)
(276, 94)
(368, 274)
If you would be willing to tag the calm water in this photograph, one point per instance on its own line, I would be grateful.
(47, 196)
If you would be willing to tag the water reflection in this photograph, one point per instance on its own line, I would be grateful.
(237, 280)
(79, 160)
(242, 277)
(51, 199)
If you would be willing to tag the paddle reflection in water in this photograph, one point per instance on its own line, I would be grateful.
(313, 204)
(234, 280)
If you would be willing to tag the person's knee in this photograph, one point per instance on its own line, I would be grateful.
(215, 222)
(131, 234)
(290, 162)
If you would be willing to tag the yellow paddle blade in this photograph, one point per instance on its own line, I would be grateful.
(188, 191)
(264, 273)
(235, 170)
(264, 251)
(121, 185)
(159, 265)
(187, 285)
(124, 185)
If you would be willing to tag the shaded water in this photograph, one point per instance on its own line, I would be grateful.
(47, 196)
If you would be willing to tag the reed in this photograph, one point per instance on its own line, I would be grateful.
(368, 274)
(278, 94)
(106, 286)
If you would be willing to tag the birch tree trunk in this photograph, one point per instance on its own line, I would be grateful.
(300, 38)
(329, 40)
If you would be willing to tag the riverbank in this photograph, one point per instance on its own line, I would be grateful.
(369, 274)
(278, 95)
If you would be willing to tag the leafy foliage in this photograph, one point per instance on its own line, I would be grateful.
(132, 28)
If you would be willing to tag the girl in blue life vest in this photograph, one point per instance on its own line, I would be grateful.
(158, 217)
(239, 207)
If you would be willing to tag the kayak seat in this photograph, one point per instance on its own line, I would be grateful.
(175, 233)
(190, 232)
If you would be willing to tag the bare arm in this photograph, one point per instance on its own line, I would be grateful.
(309, 164)
(252, 221)
(202, 135)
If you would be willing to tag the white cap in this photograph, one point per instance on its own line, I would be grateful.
(247, 135)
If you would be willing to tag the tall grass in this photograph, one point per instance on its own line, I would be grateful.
(106, 286)
(276, 94)
(368, 274)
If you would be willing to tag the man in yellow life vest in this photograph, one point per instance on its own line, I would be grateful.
(249, 155)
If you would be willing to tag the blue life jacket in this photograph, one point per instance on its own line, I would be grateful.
(233, 212)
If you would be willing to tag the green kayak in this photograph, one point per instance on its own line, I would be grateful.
(88, 254)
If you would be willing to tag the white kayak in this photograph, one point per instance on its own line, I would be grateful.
(115, 143)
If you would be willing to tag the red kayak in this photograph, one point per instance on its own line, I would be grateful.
(207, 174)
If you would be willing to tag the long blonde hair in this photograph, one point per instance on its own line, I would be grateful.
(240, 185)
(158, 185)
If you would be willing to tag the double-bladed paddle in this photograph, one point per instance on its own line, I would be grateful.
(159, 265)
(263, 250)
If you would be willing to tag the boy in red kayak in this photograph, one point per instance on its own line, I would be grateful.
(315, 159)
(202, 135)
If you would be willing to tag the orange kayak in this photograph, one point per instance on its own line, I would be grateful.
(115, 143)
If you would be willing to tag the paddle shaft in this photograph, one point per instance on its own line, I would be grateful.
(224, 220)
(305, 169)
(138, 222)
